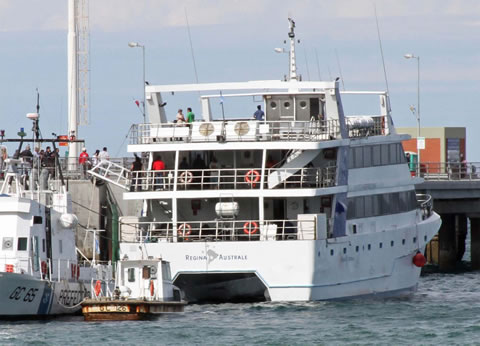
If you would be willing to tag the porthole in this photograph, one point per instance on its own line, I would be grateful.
(303, 104)
(286, 104)
(273, 105)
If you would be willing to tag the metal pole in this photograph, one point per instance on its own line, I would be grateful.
(144, 97)
(418, 112)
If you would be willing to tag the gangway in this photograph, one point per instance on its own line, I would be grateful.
(112, 173)
(297, 158)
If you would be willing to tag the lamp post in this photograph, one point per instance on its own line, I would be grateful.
(411, 56)
(134, 45)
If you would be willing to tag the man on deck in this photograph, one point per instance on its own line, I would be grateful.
(258, 115)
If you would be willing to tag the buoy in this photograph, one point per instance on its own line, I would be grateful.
(252, 177)
(419, 259)
(186, 177)
(184, 230)
(250, 227)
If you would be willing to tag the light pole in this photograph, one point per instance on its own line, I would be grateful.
(134, 45)
(411, 56)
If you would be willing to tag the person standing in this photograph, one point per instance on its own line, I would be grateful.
(190, 116)
(136, 178)
(84, 162)
(258, 115)
(104, 155)
(95, 159)
(180, 117)
(158, 166)
(3, 157)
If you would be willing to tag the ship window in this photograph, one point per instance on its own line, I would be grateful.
(425, 238)
(286, 104)
(369, 206)
(60, 245)
(369, 247)
(43, 245)
(367, 156)
(22, 244)
(303, 104)
(356, 248)
(376, 155)
(146, 272)
(401, 154)
(37, 220)
(344, 250)
(414, 239)
(358, 157)
(131, 274)
(384, 150)
(380, 245)
(331, 252)
(392, 243)
(166, 273)
(359, 207)
(403, 241)
(393, 153)
(394, 203)
(273, 104)
(351, 161)
(385, 204)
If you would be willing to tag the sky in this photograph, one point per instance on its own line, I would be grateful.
(234, 41)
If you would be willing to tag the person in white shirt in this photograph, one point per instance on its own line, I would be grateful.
(104, 156)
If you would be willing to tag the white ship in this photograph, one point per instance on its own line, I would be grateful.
(40, 275)
(308, 203)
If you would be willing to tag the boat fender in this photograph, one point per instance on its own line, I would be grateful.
(186, 177)
(250, 227)
(152, 288)
(98, 288)
(184, 230)
(419, 259)
(252, 177)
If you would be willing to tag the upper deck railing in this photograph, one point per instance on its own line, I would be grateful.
(446, 170)
(251, 130)
(229, 178)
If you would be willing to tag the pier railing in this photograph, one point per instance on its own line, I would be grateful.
(242, 178)
(447, 170)
(218, 230)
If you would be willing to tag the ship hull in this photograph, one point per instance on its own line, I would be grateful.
(24, 296)
(370, 264)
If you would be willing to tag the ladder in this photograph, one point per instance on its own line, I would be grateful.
(112, 173)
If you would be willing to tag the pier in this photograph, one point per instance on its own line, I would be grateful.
(455, 189)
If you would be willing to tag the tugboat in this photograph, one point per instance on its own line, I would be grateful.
(40, 274)
(301, 202)
(144, 290)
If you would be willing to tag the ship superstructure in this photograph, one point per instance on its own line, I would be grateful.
(307, 203)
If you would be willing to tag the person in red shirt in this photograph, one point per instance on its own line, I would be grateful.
(158, 165)
(84, 162)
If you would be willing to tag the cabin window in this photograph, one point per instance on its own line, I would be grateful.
(166, 274)
(37, 220)
(146, 272)
(60, 245)
(376, 155)
(22, 244)
(131, 274)
(393, 154)
(367, 156)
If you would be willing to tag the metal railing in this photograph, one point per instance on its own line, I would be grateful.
(425, 204)
(226, 178)
(235, 131)
(447, 170)
(218, 230)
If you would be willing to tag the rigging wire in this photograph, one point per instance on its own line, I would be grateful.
(306, 62)
(318, 65)
(191, 46)
(381, 48)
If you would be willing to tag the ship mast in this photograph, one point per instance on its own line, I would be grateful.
(293, 65)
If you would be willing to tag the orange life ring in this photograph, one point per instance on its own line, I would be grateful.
(252, 177)
(250, 227)
(186, 177)
(184, 230)
(152, 288)
(98, 288)
(44, 267)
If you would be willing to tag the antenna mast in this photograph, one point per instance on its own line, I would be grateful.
(293, 65)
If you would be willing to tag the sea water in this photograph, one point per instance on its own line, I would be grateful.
(444, 310)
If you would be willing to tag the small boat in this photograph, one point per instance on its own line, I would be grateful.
(144, 290)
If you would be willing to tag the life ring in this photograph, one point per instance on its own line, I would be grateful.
(184, 230)
(252, 177)
(44, 267)
(152, 288)
(186, 177)
(98, 288)
(250, 227)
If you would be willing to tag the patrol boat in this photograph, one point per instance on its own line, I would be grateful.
(40, 274)
(308, 203)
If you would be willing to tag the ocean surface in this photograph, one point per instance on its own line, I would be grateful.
(445, 310)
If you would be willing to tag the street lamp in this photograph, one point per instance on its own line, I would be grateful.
(411, 56)
(135, 45)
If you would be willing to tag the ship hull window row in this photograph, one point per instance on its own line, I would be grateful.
(376, 155)
(382, 204)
